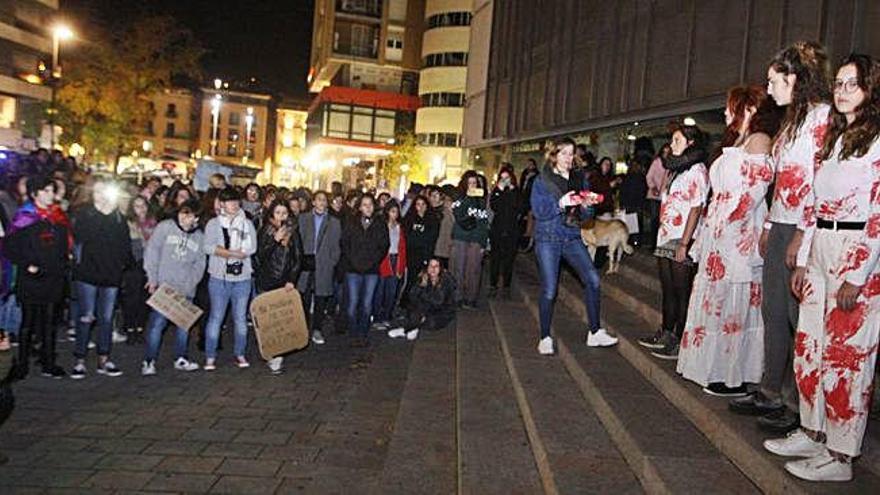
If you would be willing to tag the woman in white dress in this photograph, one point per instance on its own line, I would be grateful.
(722, 346)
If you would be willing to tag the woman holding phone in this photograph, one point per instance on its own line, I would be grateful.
(470, 234)
(560, 201)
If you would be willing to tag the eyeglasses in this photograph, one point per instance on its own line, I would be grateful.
(848, 86)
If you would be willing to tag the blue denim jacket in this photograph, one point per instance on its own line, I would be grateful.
(549, 218)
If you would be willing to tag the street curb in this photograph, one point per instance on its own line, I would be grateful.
(763, 472)
(539, 451)
(642, 466)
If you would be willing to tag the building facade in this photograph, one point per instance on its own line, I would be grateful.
(442, 86)
(290, 146)
(25, 43)
(172, 130)
(235, 127)
(595, 65)
(365, 62)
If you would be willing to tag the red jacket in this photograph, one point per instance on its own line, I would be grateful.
(385, 267)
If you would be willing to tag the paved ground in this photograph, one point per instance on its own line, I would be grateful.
(325, 426)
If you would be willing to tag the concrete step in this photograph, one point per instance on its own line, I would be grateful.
(626, 313)
(637, 287)
(422, 453)
(494, 450)
(572, 449)
(660, 445)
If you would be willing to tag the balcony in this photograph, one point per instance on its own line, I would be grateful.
(356, 40)
(368, 8)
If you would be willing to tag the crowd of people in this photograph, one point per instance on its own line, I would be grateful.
(89, 261)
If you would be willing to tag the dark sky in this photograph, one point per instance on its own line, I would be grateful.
(266, 39)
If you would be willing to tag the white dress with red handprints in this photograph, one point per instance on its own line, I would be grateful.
(723, 340)
(836, 350)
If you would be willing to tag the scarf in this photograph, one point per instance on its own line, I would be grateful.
(682, 163)
(239, 240)
(30, 214)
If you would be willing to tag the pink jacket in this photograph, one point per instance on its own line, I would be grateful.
(656, 179)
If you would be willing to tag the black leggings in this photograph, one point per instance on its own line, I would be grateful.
(322, 305)
(501, 259)
(676, 282)
(37, 322)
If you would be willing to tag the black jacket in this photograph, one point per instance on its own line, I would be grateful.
(277, 264)
(505, 205)
(363, 249)
(633, 192)
(102, 247)
(421, 238)
(435, 302)
(43, 245)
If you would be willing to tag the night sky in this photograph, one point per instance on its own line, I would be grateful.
(266, 39)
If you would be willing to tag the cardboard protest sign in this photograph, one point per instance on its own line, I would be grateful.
(174, 306)
(279, 322)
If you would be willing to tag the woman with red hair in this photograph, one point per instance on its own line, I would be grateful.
(722, 346)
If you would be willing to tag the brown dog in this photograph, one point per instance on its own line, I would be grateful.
(611, 233)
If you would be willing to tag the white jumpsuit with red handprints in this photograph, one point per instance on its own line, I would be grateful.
(836, 350)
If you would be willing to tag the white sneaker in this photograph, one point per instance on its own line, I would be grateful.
(71, 334)
(184, 364)
(318, 337)
(210, 365)
(823, 467)
(397, 333)
(545, 346)
(600, 339)
(796, 444)
(412, 334)
(92, 344)
(119, 338)
(242, 363)
(275, 364)
(380, 326)
(148, 368)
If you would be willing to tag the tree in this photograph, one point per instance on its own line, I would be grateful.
(405, 158)
(104, 98)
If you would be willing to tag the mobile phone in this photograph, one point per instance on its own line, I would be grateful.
(476, 192)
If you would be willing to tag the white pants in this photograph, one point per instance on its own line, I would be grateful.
(835, 351)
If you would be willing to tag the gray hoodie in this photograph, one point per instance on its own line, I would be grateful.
(175, 257)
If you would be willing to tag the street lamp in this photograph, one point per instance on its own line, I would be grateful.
(215, 114)
(249, 123)
(59, 33)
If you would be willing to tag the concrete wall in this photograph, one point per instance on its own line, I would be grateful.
(560, 66)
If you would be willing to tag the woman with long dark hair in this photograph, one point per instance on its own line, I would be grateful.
(798, 79)
(504, 232)
(141, 224)
(393, 268)
(422, 228)
(470, 234)
(364, 244)
(560, 202)
(837, 280)
(722, 347)
(681, 205)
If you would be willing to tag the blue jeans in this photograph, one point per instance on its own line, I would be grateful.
(386, 298)
(361, 288)
(155, 326)
(575, 253)
(222, 293)
(96, 306)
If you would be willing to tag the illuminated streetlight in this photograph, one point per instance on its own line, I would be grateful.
(215, 114)
(60, 33)
(218, 83)
(249, 123)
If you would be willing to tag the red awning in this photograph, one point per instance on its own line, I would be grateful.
(367, 98)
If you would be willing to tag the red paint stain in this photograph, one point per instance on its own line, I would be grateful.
(731, 328)
(855, 258)
(807, 384)
(872, 286)
(742, 209)
(819, 133)
(684, 339)
(842, 325)
(845, 357)
(791, 185)
(755, 294)
(873, 227)
(800, 344)
(837, 402)
(699, 334)
(715, 267)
